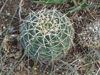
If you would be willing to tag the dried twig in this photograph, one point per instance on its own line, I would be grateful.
(20, 5)
(3, 6)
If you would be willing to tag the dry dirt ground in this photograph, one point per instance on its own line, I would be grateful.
(78, 58)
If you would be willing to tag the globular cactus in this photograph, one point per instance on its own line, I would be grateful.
(48, 33)
(90, 36)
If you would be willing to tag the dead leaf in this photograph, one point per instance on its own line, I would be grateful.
(10, 55)
(36, 73)
(20, 67)
(5, 45)
(23, 4)
(18, 54)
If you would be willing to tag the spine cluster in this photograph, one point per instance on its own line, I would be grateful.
(90, 35)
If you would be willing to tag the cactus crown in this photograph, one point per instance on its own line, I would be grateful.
(90, 35)
(48, 33)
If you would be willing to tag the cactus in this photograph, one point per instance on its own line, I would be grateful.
(48, 33)
(90, 36)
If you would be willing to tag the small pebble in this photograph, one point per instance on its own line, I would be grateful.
(8, 13)
(3, 17)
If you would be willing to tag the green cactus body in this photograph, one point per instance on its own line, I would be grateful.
(90, 36)
(48, 33)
